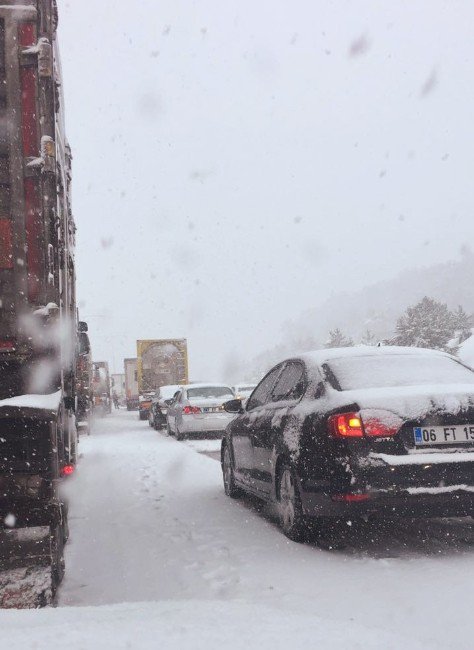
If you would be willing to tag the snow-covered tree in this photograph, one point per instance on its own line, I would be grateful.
(338, 340)
(462, 324)
(428, 324)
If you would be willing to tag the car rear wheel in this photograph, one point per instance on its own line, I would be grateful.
(292, 520)
(179, 434)
(228, 478)
(168, 429)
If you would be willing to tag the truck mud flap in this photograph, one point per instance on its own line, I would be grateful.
(26, 588)
(27, 577)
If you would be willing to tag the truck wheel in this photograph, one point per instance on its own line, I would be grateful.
(57, 559)
(74, 454)
(65, 522)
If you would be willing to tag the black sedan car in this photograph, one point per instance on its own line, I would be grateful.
(356, 432)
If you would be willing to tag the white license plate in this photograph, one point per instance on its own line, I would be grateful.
(460, 434)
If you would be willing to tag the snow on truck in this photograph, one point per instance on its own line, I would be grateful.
(131, 384)
(160, 362)
(38, 317)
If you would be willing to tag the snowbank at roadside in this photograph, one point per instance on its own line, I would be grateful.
(197, 625)
(159, 557)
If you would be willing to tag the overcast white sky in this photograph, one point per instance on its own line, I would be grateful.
(234, 164)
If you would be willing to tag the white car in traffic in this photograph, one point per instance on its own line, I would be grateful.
(198, 409)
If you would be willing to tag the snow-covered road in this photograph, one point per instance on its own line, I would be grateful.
(170, 560)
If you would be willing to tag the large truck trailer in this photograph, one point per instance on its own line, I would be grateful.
(102, 398)
(38, 318)
(131, 384)
(117, 380)
(160, 362)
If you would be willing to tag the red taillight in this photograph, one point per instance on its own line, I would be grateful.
(346, 425)
(350, 498)
(29, 129)
(379, 423)
(7, 345)
(67, 470)
(373, 423)
(187, 410)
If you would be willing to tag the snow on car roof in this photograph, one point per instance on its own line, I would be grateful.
(170, 388)
(207, 385)
(318, 357)
(466, 351)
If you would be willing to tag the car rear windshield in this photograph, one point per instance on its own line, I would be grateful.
(393, 370)
(209, 391)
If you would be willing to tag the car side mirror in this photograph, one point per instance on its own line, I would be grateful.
(233, 406)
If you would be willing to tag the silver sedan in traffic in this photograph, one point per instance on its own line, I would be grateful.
(197, 409)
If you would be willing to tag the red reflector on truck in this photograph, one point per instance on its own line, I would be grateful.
(28, 110)
(6, 248)
(67, 470)
(348, 498)
(27, 34)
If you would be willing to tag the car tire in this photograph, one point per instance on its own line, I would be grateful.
(293, 522)
(179, 434)
(168, 429)
(228, 477)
